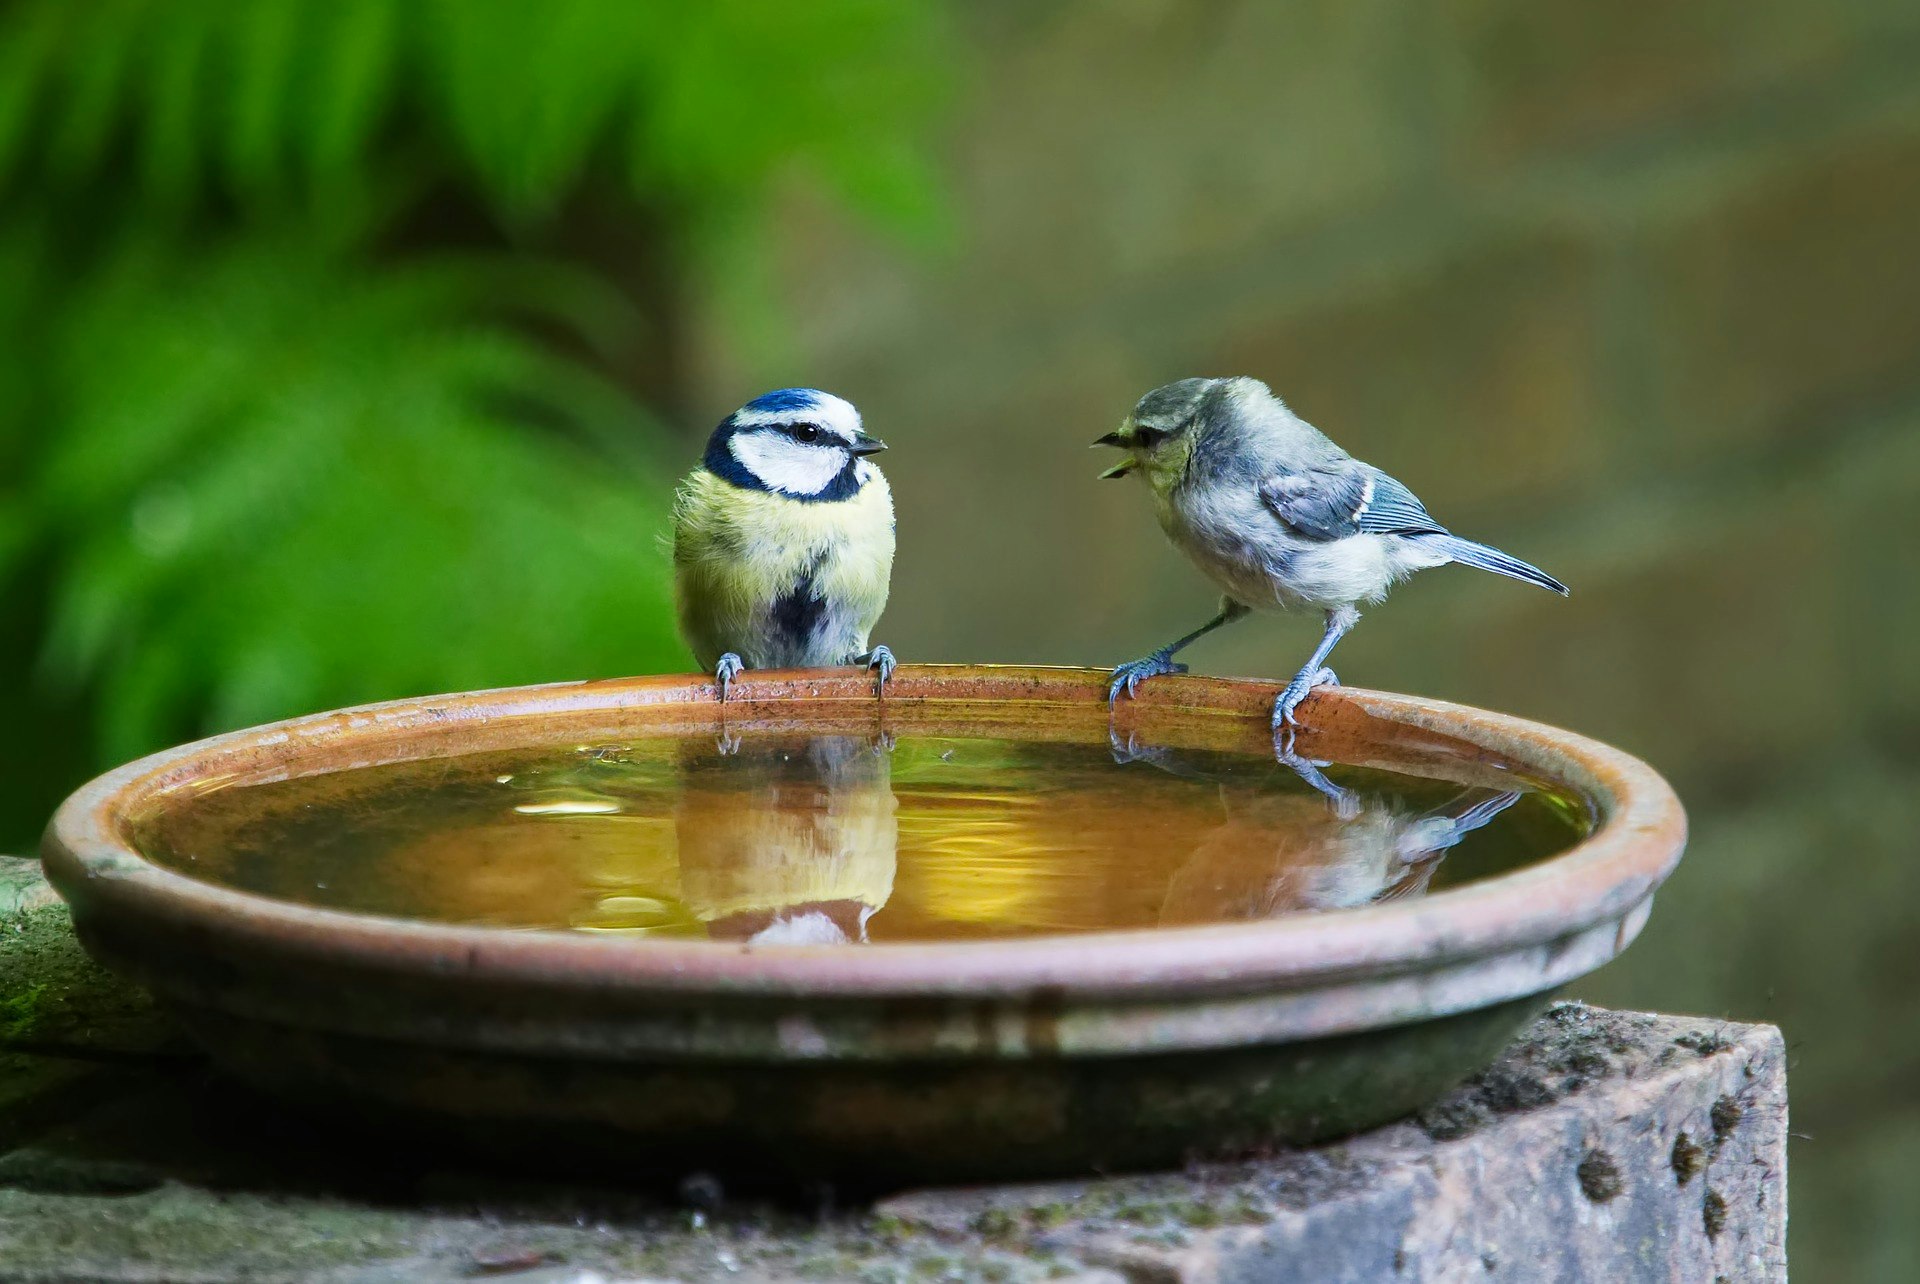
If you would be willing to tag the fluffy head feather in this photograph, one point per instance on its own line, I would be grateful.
(1160, 434)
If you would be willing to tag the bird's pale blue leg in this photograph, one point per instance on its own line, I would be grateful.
(729, 668)
(881, 661)
(1314, 673)
(1134, 672)
(1346, 803)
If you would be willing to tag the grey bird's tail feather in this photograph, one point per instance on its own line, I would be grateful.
(1468, 553)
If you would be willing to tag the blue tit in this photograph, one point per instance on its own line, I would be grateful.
(783, 540)
(1279, 517)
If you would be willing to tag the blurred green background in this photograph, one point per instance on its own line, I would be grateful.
(349, 349)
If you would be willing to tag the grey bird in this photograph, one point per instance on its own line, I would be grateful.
(1279, 517)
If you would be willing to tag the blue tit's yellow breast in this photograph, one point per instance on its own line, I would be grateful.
(742, 557)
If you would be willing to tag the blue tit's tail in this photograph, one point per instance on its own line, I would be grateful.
(1468, 553)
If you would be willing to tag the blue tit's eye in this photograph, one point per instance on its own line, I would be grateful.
(806, 432)
(1146, 437)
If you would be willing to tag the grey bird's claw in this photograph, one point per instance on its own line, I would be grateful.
(1344, 802)
(1131, 674)
(881, 661)
(1296, 692)
(729, 668)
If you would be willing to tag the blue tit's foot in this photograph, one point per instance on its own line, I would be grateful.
(1131, 674)
(727, 743)
(881, 661)
(1130, 749)
(729, 668)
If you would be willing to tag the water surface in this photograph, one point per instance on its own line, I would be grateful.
(830, 839)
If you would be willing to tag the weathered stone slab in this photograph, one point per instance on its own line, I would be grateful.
(1603, 1146)
(1607, 1146)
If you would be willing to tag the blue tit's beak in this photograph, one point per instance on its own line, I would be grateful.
(865, 445)
(1113, 438)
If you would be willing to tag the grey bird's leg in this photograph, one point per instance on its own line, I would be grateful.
(729, 668)
(1314, 673)
(881, 660)
(1134, 672)
(1345, 803)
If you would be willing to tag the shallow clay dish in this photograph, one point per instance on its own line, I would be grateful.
(891, 1062)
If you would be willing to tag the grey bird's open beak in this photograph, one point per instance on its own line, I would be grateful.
(865, 445)
(1125, 466)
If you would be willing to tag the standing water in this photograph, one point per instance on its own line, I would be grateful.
(828, 839)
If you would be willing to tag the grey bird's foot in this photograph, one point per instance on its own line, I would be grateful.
(881, 661)
(729, 668)
(1297, 691)
(1131, 674)
(1344, 802)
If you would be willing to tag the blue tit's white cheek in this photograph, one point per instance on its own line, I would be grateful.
(784, 464)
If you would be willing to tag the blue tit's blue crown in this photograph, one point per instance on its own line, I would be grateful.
(795, 442)
(784, 399)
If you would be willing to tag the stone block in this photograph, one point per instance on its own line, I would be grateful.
(1602, 1147)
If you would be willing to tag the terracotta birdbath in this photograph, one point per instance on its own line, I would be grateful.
(722, 1042)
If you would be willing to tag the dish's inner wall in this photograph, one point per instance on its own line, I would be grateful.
(782, 835)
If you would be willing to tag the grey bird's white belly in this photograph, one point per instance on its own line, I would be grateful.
(1258, 561)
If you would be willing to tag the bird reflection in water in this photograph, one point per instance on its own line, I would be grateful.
(1287, 852)
(784, 838)
(788, 841)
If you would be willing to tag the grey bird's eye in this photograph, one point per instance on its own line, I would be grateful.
(806, 432)
(1146, 437)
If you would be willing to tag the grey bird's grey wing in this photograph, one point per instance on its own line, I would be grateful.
(1336, 500)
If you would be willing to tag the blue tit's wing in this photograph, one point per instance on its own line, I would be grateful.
(1346, 498)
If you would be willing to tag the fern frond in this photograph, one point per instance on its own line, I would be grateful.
(281, 98)
(301, 471)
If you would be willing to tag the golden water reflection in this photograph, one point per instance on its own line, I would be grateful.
(772, 838)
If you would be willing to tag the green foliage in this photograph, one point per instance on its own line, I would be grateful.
(305, 484)
(695, 106)
(310, 398)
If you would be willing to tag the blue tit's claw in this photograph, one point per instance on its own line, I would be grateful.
(881, 661)
(1130, 675)
(1131, 750)
(729, 668)
(727, 743)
